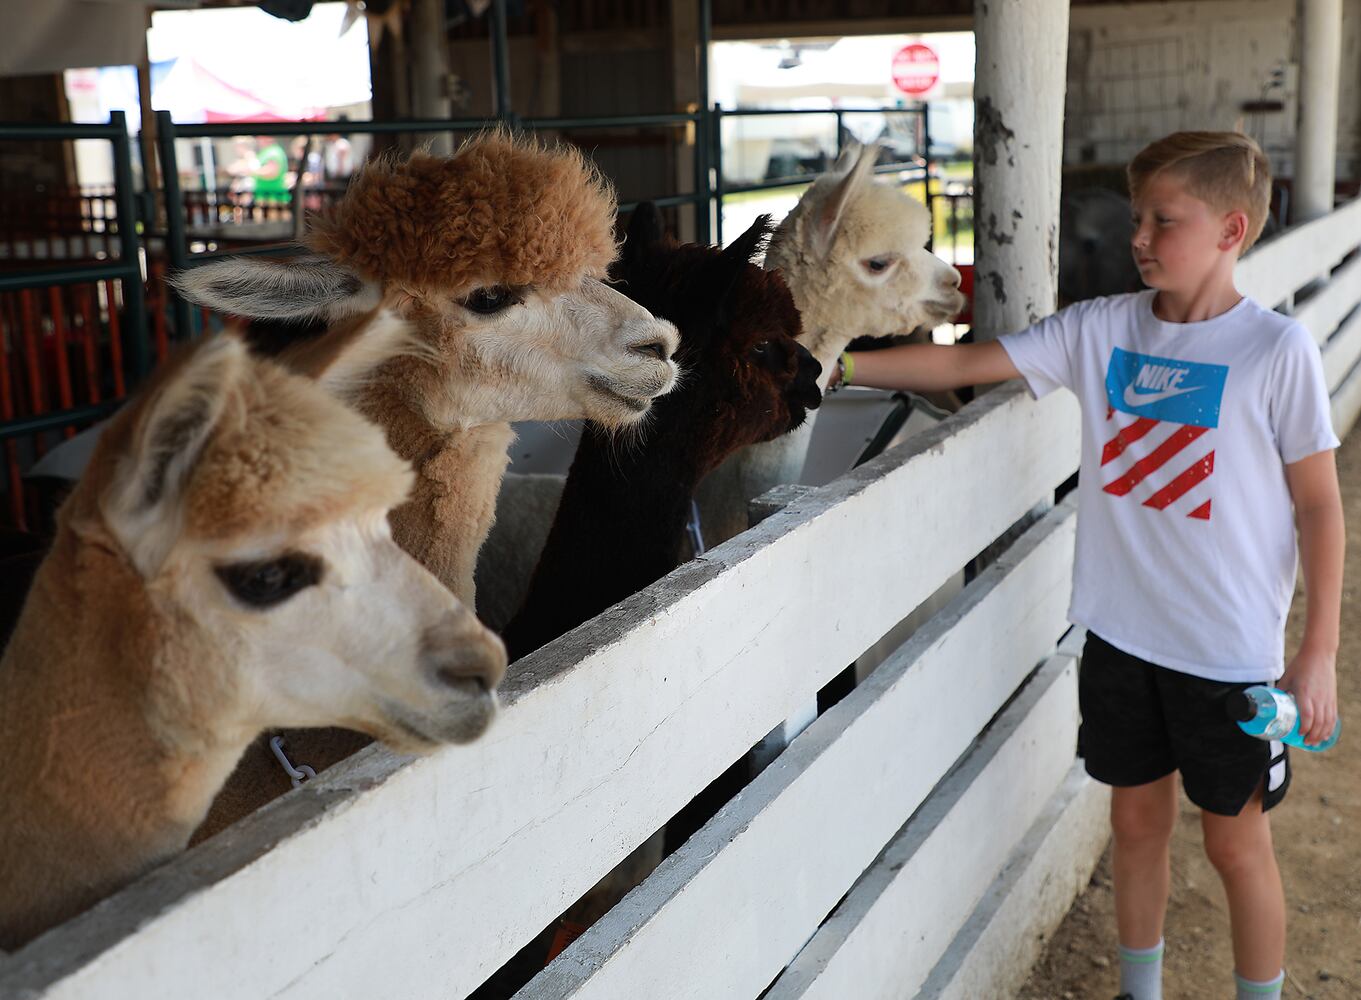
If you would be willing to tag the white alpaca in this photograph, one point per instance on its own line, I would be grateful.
(853, 253)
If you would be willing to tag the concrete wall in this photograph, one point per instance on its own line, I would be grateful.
(1139, 71)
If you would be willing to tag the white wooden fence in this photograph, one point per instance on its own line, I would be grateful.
(914, 841)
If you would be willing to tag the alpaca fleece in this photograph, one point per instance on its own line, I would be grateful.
(502, 210)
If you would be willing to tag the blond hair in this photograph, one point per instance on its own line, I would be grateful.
(1226, 170)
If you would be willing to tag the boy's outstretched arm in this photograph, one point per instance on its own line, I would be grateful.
(932, 367)
(1312, 675)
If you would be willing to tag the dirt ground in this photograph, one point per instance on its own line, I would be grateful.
(1317, 830)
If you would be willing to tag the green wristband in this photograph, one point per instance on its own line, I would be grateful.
(847, 368)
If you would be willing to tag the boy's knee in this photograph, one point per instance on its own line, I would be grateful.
(1237, 848)
(1135, 824)
(1141, 831)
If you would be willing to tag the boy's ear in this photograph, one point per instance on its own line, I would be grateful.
(144, 503)
(1234, 230)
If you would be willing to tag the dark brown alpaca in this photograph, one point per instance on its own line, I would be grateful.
(744, 378)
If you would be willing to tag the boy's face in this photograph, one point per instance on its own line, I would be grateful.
(1179, 240)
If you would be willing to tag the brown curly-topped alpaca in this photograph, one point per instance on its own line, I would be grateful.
(223, 566)
(496, 255)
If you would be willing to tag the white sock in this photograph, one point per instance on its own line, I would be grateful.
(1251, 989)
(1141, 972)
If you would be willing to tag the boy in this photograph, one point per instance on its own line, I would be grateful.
(1205, 418)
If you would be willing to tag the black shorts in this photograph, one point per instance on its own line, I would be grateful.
(1141, 722)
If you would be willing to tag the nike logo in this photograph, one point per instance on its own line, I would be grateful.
(1135, 398)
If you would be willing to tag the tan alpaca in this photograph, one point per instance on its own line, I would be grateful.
(853, 253)
(496, 254)
(224, 566)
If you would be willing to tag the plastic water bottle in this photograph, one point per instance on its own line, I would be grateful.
(1269, 713)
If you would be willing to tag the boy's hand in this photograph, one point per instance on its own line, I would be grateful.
(1312, 678)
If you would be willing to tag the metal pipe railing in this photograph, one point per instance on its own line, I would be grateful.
(139, 351)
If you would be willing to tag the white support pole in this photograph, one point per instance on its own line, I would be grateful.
(1316, 138)
(430, 69)
(1018, 152)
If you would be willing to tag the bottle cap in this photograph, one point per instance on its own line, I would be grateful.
(1240, 707)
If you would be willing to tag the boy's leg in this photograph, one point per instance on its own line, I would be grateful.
(1142, 818)
(1124, 742)
(1241, 850)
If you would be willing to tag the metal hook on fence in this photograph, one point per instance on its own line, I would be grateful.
(297, 775)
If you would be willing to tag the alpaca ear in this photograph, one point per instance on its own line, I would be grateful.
(343, 359)
(299, 288)
(736, 257)
(143, 505)
(646, 230)
(831, 212)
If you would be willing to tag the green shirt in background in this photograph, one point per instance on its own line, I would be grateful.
(272, 189)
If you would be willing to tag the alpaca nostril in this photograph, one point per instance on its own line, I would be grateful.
(654, 349)
(955, 278)
(463, 668)
(458, 680)
(471, 662)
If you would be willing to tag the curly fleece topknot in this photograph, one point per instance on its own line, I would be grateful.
(501, 210)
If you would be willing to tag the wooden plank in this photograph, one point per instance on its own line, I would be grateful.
(902, 914)
(1347, 403)
(1274, 270)
(1330, 305)
(993, 953)
(396, 877)
(850, 780)
(1342, 352)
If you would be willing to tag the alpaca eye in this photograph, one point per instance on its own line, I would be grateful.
(272, 581)
(877, 265)
(488, 301)
(761, 348)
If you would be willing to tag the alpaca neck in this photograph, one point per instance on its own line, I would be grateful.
(619, 527)
(827, 308)
(106, 771)
(453, 502)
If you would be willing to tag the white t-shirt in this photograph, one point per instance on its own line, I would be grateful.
(1185, 535)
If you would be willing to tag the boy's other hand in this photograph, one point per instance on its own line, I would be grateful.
(1312, 678)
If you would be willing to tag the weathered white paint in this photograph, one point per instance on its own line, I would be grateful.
(993, 953)
(1018, 152)
(393, 877)
(1273, 271)
(792, 842)
(1316, 159)
(885, 937)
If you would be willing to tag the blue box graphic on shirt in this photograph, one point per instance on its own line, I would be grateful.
(1181, 392)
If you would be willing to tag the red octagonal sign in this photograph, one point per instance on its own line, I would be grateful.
(916, 68)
